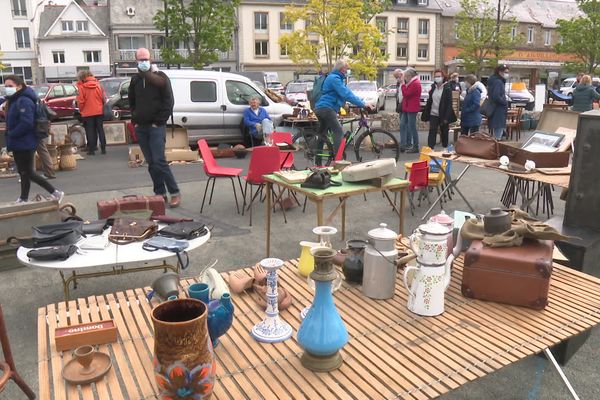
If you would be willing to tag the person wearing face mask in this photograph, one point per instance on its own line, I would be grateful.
(21, 135)
(438, 110)
(151, 102)
(455, 82)
(470, 117)
(497, 97)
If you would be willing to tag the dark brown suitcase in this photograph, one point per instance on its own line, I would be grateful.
(107, 208)
(512, 275)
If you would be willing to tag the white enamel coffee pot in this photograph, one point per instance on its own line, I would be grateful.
(432, 276)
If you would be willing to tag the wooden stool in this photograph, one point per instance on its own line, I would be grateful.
(8, 365)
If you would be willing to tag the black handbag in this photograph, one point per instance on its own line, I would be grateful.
(96, 227)
(55, 253)
(63, 233)
(487, 108)
(319, 179)
(184, 230)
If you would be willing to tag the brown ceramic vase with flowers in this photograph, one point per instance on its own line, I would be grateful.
(184, 363)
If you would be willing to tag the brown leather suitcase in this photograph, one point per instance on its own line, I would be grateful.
(512, 275)
(107, 208)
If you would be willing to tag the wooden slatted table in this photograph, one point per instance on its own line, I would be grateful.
(391, 353)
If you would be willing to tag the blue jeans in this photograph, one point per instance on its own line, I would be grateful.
(409, 137)
(152, 142)
(498, 132)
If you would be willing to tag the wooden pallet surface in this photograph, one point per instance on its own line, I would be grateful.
(391, 353)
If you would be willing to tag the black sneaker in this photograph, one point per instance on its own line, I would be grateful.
(412, 150)
(402, 149)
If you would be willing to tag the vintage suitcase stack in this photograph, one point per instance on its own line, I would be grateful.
(512, 275)
(17, 219)
(106, 208)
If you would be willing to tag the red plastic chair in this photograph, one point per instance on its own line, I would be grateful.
(264, 160)
(419, 181)
(214, 171)
(8, 365)
(286, 158)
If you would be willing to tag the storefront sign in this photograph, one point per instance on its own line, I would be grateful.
(452, 53)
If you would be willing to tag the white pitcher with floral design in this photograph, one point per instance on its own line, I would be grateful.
(432, 275)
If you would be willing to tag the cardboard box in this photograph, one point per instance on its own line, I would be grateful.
(177, 147)
(71, 337)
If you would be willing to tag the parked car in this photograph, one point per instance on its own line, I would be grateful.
(425, 88)
(568, 85)
(58, 96)
(520, 96)
(296, 92)
(389, 90)
(367, 92)
(210, 104)
(276, 86)
(116, 91)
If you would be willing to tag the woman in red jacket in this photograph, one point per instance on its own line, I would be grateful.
(411, 95)
(91, 106)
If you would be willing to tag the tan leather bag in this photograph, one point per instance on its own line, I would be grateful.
(129, 230)
(477, 145)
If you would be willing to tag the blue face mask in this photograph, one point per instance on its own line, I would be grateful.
(10, 90)
(144, 65)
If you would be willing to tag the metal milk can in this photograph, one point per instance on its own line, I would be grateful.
(379, 276)
(432, 276)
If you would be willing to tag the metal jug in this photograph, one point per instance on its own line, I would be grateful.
(432, 275)
(379, 276)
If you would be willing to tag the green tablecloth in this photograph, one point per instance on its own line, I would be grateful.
(345, 188)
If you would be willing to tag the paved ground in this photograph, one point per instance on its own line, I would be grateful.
(236, 244)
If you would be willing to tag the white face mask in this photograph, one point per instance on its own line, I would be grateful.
(144, 65)
(506, 75)
(438, 79)
(10, 90)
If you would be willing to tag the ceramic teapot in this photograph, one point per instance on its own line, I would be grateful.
(429, 242)
(446, 220)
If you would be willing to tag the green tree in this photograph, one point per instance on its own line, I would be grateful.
(203, 27)
(335, 28)
(580, 37)
(484, 34)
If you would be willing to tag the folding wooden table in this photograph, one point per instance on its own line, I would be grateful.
(391, 352)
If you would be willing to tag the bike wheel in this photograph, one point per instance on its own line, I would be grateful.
(375, 144)
(313, 150)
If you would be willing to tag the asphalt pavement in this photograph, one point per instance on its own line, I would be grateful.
(236, 244)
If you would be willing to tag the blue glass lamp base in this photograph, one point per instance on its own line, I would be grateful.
(304, 312)
(271, 330)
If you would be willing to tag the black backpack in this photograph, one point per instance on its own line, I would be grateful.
(43, 116)
(317, 90)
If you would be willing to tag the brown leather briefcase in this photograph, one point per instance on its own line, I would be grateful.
(512, 275)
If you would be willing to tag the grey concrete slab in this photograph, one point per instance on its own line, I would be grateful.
(236, 244)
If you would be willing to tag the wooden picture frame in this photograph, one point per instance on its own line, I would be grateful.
(58, 133)
(116, 132)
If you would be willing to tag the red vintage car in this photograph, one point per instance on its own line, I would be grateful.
(58, 96)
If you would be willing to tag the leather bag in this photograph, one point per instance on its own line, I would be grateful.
(63, 233)
(56, 253)
(107, 208)
(477, 145)
(518, 275)
(319, 179)
(487, 108)
(186, 230)
(129, 230)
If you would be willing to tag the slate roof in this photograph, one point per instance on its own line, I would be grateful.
(98, 14)
(544, 12)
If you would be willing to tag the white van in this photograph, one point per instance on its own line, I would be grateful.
(568, 85)
(210, 104)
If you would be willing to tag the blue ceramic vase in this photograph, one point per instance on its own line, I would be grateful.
(220, 312)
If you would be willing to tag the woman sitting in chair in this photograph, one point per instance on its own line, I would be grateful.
(253, 119)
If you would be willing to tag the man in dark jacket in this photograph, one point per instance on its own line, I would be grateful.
(151, 101)
(438, 110)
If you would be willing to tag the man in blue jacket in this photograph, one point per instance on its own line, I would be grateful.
(334, 95)
(253, 118)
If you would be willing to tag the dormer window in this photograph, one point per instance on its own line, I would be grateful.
(82, 26)
(423, 2)
(68, 26)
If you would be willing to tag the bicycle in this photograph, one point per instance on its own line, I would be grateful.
(318, 149)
